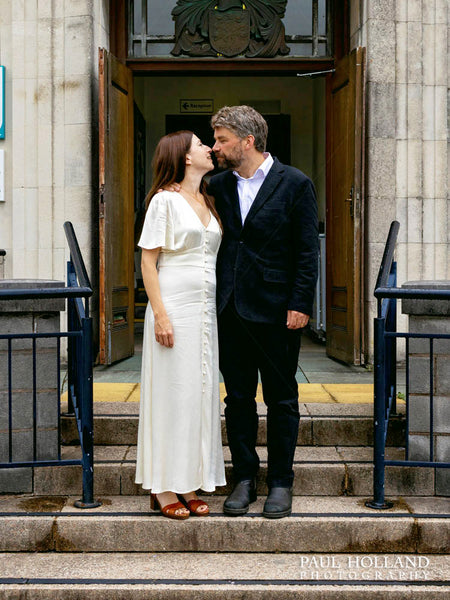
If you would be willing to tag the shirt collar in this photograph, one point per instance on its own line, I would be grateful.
(261, 172)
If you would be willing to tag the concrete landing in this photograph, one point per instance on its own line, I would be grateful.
(314, 366)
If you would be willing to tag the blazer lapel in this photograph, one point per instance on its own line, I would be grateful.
(269, 185)
(233, 198)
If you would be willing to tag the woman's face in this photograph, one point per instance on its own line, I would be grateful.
(199, 155)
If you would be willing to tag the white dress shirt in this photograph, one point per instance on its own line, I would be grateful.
(248, 188)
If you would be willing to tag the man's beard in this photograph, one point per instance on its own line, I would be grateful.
(229, 162)
(224, 164)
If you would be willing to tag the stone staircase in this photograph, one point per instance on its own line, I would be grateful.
(332, 546)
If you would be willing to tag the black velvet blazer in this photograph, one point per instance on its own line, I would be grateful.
(270, 262)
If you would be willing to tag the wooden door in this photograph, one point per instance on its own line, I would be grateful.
(344, 231)
(116, 210)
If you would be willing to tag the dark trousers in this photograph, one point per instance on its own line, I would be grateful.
(245, 348)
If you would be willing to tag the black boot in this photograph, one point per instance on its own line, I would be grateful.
(238, 501)
(278, 503)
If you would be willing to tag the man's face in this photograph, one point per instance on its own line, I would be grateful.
(228, 149)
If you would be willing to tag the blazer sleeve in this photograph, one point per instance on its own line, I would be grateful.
(305, 242)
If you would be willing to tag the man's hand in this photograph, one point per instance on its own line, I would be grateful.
(296, 320)
(173, 187)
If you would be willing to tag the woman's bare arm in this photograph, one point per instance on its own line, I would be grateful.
(163, 326)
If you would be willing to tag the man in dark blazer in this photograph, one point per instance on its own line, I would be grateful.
(266, 275)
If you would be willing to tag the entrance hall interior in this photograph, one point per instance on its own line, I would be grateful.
(294, 108)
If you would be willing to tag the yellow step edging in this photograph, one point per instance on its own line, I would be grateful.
(331, 393)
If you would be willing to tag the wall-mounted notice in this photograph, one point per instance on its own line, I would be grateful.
(196, 106)
(2, 103)
(2, 175)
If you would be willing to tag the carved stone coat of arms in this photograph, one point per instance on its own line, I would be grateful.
(229, 28)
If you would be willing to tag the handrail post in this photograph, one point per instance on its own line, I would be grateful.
(70, 344)
(87, 417)
(392, 326)
(379, 416)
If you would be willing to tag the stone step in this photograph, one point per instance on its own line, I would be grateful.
(328, 548)
(165, 576)
(320, 425)
(327, 471)
(319, 525)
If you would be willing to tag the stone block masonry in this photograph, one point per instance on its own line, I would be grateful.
(21, 317)
(429, 317)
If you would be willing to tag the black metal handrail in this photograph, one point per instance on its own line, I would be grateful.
(388, 256)
(80, 362)
(75, 255)
(411, 293)
(36, 293)
(385, 365)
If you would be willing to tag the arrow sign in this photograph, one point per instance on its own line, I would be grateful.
(196, 105)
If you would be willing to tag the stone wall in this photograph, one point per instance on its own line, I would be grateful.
(429, 317)
(49, 50)
(27, 386)
(407, 139)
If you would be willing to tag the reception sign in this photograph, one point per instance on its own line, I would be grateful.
(2, 103)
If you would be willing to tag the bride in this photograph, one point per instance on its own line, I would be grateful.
(179, 440)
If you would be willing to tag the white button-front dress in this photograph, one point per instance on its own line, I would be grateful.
(179, 441)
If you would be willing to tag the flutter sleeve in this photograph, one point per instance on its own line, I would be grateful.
(158, 230)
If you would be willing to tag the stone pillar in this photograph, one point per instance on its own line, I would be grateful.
(28, 316)
(49, 49)
(429, 316)
(407, 141)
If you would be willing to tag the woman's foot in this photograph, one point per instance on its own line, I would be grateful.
(197, 507)
(169, 505)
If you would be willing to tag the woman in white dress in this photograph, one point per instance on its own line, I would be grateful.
(179, 441)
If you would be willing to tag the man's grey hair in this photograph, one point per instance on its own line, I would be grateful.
(243, 121)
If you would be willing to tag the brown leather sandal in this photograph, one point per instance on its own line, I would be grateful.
(169, 510)
(193, 506)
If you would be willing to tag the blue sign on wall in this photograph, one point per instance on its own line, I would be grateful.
(2, 103)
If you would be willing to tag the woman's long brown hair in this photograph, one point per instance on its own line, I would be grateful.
(169, 166)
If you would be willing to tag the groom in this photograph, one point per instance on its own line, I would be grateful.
(266, 275)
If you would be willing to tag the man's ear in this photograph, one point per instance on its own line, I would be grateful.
(249, 141)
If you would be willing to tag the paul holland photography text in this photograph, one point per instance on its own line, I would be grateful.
(367, 567)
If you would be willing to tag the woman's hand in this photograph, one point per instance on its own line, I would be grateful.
(164, 331)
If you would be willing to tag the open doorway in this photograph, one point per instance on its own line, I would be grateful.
(318, 128)
(293, 107)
